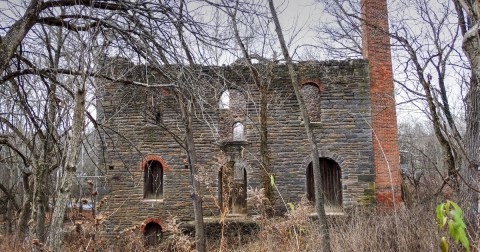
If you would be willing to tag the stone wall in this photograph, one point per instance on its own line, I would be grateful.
(129, 137)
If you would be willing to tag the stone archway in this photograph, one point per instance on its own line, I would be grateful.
(331, 183)
(232, 186)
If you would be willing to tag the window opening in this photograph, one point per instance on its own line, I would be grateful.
(311, 96)
(238, 131)
(225, 100)
(153, 180)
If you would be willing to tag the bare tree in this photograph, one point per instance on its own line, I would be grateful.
(146, 30)
(74, 143)
(468, 14)
(425, 49)
(260, 76)
(319, 198)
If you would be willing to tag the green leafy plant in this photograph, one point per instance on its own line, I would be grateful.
(450, 214)
(272, 181)
(291, 206)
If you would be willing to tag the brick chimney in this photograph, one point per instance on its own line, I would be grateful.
(376, 48)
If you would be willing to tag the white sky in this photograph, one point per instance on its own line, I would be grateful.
(301, 14)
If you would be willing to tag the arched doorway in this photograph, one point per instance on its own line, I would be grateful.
(232, 191)
(331, 183)
(239, 194)
(152, 233)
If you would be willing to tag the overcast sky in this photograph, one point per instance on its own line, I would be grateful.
(300, 13)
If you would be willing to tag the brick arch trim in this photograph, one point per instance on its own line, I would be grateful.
(153, 157)
(150, 220)
(313, 81)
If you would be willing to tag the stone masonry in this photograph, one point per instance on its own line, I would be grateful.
(136, 121)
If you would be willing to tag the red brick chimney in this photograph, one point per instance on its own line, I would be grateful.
(376, 48)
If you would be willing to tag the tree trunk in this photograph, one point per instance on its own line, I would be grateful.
(16, 33)
(26, 212)
(186, 107)
(56, 226)
(38, 209)
(196, 194)
(264, 155)
(319, 199)
(472, 148)
(263, 89)
(470, 173)
(447, 150)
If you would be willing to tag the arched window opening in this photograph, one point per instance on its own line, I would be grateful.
(152, 234)
(238, 200)
(238, 131)
(153, 180)
(311, 97)
(225, 100)
(331, 183)
(232, 188)
(232, 109)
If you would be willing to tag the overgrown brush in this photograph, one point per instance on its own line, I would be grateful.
(363, 229)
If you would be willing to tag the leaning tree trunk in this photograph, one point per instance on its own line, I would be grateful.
(186, 107)
(319, 199)
(196, 194)
(16, 33)
(56, 226)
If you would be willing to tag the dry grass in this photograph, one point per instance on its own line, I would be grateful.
(362, 230)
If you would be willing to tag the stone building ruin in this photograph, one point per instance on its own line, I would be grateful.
(350, 104)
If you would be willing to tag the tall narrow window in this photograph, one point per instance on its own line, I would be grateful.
(225, 100)
(153, 180)
(153, 107)
(311, 96)
(238, 131)
(331, 183)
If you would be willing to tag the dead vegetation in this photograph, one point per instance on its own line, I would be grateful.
(362, 230)
(412, 228)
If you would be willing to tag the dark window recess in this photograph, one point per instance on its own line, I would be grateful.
(153, 107)
(220, 189)
(153, 180)
(111, 167)
(232, 193)
(158, 118)
(331, 183)
(311, 97)
(152, 234)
